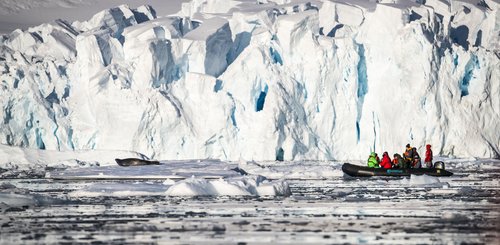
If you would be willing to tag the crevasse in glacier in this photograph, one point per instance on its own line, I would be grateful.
(259, 80)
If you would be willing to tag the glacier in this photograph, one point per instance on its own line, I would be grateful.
(259, 80)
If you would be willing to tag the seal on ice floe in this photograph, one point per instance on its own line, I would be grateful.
(135, 162)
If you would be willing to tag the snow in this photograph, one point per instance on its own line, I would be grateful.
(166, 170)
(236, 186)
(253, 209)
(208, 177)
(312, 199)
(207, 47)
(18, 159)
(292, 80)
(427, 181)
(181, 178)
(217, 90)
(119, 190)
(16, 200)
(27, 13)
(292, 170)
(242, 186)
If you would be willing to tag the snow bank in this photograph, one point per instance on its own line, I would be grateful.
(195, 186)
(240, 186)
(16, 200)
(292, 170)
(210, 169)
(15, 159)
(119, 190)
(423, 181)
(235, 79)
(22, 14)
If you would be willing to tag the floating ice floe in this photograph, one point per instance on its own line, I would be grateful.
(26, 159)
(241, 186)
(195, 186)
(16, 200)
(292, 170)
(423, 181)
(120, 190)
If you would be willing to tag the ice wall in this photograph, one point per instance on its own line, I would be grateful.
(259, 80)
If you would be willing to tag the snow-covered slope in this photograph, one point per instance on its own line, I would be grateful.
(27, 13)
(259, 80)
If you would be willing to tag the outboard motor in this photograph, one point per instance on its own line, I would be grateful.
(439, 165)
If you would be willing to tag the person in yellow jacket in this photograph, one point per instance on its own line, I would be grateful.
(373, 162)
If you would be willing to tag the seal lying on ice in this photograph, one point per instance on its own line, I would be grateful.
(135, 162)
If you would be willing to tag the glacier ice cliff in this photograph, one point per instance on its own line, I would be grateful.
(261, 80)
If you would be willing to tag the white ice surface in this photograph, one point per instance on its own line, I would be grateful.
(297, 80)
(16, 200)
(241, 186)
(204, 182)
(15, 158)
(210, 169)
(204, 177)
(180, 178)
(22, 14)
(293, 170)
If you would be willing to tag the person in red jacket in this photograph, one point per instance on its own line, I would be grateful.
(386, 161)
(428, 156)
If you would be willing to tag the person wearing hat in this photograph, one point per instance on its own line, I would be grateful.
(397, 161)
(386, 161)
(416, 161)
(428, 156)
(372, 161)
(408, 156)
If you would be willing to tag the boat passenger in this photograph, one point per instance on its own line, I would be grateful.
(372, 161)
(408, 156)
(428, 156)
(386, 161)
(397, 161)
(416, 161)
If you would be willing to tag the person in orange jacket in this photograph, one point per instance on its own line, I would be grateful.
(398, 161)
(386, 161)
(408, 156)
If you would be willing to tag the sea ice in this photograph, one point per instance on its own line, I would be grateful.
(238, 186)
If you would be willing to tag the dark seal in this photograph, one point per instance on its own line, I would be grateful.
(135, 162)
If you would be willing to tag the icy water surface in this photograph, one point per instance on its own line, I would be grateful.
(464, 208)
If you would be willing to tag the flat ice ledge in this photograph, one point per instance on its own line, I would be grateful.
(24, 158)
(207, 29)
(207, 46)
